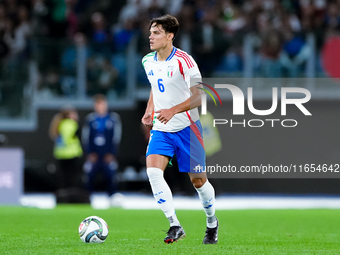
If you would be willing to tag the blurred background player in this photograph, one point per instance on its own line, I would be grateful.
(176, 126)
(64, 131)
(101, 136)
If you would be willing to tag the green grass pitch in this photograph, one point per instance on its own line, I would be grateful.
(36, 231)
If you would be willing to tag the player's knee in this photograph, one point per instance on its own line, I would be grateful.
(154, 174)
(198, 182)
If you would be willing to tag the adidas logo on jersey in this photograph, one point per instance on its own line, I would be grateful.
(150, 73)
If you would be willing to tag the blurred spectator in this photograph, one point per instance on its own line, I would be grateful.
(231, 61)
(64, 21)
(4, 49)
(200, 7)
(69, 63)
(234, 24)
(131, 10)
(40, 50)
(263, 23)
(100, 31)
(3, 17)
(71, 18)
(107, 77)
(101, 76)
(123, 34)
(332, 17)
(295, 53)
(270, 51)
(234, 19)
(174, 7)
(39, 18)
(100, 38)
(59, 79)
(143, 39)
(11, 8)
(24, 21)
(69, 55)
(101, 137)
(155, 9)
(184, 39)
(312, 20)
(64, 131)
(17, 33)
(83, 5)
(49, 84)
(58, 21)
(210, 43)
(293, 22)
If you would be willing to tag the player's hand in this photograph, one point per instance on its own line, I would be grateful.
(165, 115)
(147, 119)
(92, 157)
(108, 158)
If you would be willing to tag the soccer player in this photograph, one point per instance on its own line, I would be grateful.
(101, 136)
(176, 130)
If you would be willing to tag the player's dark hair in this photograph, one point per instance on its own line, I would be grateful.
(169, 23)
(99, 98)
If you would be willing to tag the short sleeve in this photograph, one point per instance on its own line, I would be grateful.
(190, 69)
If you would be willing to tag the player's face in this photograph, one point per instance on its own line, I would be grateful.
(73, 115)
(101, 107)
(159, 38)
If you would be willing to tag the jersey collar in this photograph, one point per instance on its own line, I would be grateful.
(174, 49)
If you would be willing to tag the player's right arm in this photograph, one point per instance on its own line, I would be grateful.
(87, 141)
(147, 118)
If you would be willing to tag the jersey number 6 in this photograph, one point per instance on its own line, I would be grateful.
(160, 85)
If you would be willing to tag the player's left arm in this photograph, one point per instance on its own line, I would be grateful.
(164, 115)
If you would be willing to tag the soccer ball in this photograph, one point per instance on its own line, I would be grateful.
(93, 230)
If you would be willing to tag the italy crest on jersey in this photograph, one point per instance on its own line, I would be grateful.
(170, 71)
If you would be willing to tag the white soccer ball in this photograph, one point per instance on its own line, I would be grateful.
(93, 230)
